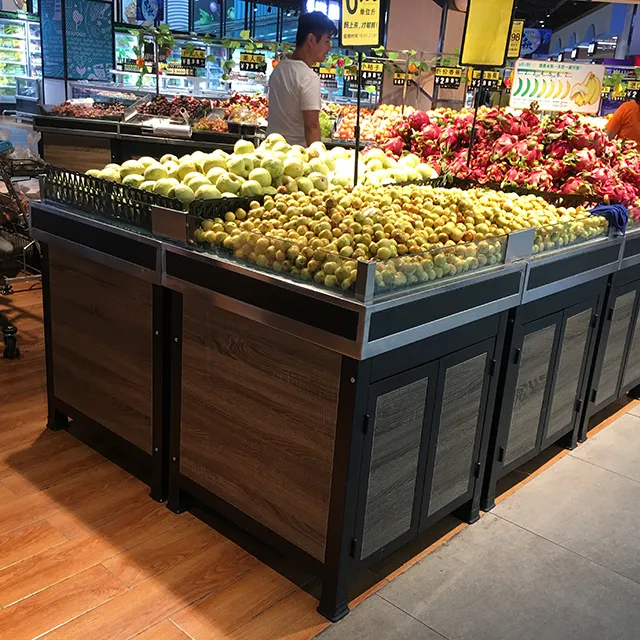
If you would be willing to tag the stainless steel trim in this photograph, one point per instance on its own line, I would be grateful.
(97, 256)
(631, 261)
(397, 340)
(76, 132)
(299, 287)
(270, 319)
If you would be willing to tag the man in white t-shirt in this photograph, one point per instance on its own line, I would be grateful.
(294, 87)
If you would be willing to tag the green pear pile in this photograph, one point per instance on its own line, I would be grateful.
(274, 166)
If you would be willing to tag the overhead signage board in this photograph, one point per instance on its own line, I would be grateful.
(557, 86)
(486, 17)
(360, 23)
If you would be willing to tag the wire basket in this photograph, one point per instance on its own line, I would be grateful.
(104, 198)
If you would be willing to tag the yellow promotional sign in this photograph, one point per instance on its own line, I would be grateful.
(515, 39)
(486, 33)
(360, 23)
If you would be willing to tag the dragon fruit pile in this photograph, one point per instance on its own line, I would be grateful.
(561, 153)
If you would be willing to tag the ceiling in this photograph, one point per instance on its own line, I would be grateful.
(553, 14)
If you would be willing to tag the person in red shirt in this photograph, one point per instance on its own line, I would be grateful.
(625, 122)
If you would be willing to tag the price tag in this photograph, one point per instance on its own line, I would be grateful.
(401, 78)
(515, 39)
(448, 77)
(255, 62)
(195, 58)
(360, 23)
(174, 69)
(490, 81)
(372, 72)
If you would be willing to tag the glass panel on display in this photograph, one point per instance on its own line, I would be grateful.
(34, 47)
(89, 39)
(13, 57)
(52, 40)
(235, 11)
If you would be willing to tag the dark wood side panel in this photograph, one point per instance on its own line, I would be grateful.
(258, 420)
(393, 473)
(76, 152)
(102, 344)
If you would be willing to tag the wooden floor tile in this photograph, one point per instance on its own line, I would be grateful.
(160, 553)
(221, 613)
(138, 609)
(44, 445)
(165, 630)
(294, 618)
(52, 566)
(68, 463)
(16, 513)
(28, 541)
(58, 604)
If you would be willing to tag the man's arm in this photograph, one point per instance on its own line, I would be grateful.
(311, 126)
(615, 124)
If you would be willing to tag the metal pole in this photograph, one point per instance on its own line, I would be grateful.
(441, 37)
(357, 129)
(404, 89)
(157, 57)
(475, 116)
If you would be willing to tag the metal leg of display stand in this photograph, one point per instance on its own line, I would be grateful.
(11, 349)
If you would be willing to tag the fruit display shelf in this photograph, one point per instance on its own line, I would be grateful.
(355, 395)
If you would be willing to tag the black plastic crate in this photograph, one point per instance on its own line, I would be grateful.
(103, 198)
(218, 207)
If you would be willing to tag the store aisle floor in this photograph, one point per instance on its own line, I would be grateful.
(557, 560)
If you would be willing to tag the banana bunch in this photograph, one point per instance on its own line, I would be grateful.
(588, 92)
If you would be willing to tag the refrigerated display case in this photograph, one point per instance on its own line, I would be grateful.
(34, 49)
(13, 57)
(28, 94)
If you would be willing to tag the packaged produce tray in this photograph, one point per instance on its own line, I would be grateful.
(103, 198)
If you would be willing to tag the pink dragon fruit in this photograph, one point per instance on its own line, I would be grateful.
(418, 119)
(540, 179)
(503, 146)
(431, 131)
(449, 138)
(395, 146)
(559, 149)
(576, 185)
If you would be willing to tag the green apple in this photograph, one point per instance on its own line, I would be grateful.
(318, 166)
(329, 160)
(173, 170)
(410, 160)
(270, 191)
(208, 192)
(281, 147)
(304, 184)
(186, 168)
(375, 165)
(240, 165)
(426, 172)
(155, 172)
(185, 158)
(198, 182)
(228, 183)
(190, 176)
(183, 193)
(262, 176)
(316, 150)
(215, 173)
(212, 162)
(274, 138)
(168, 157)
(273, 165)
(113, 165)
(112, 175)
(299, 150)
(251, 188)
(131, 166)
(306, 169)
(146, 161)
(197, 156)
(243, 147)
(319, 180)
(293, 167)
(148, 185)
(133, 180)
(228, 194)
(164, 185)
(289, 184)
(93, 172)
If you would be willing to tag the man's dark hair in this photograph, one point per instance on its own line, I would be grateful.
(315, 22)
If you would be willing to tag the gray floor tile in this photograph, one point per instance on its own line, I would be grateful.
(376, 619)
(585, 508)
(617, 448)
(496, 581)
(635, 411)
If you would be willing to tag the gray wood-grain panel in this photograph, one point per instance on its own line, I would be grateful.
(259, 411)
(459, 420)
(530, 387)
(632, 370)
(612, 362)
(397, 431)
(565, 394)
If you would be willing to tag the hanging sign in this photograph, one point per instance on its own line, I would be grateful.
(327, 75)
(557, 86)
(400, 78)
(633, 86)
(149, 10)
(360, 23)
(448, 77)
(193, 58)
(372, 72)
(486, 18)
(491, 80)
(253, 62)
(515, 39)
(176, 69)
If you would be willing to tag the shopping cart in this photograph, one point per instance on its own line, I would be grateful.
(19, 254)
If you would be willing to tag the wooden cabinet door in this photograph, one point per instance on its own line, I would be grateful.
(456, 431)
(527, 388)
(570, 370)
(398, 409)
(618, 324)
